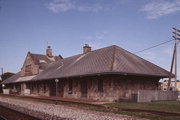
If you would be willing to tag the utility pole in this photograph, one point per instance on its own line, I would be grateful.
(1, 73)
(176, 37)
(2, 70)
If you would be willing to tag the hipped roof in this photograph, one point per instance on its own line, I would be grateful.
(108, 60)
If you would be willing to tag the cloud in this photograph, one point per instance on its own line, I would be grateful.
(90, 40)
(101, 35)
(97, 39)
(93, 8)
(58, 6)
(96, 45)
(98, 36)
(160, 8)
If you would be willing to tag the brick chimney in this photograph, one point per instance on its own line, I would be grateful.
(86, 49)
(49, 51)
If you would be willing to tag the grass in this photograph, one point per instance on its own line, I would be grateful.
(163, 106)
(143, 115)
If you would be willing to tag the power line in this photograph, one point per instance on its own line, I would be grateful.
(154, 46)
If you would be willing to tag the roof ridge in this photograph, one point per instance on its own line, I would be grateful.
(73, 56)
(114, 46)
(113, 57)
(92, 51)
(145, 60)
(41, 55)
(36, 54)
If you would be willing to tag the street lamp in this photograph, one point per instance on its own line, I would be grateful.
(3, 85)
(56, 80)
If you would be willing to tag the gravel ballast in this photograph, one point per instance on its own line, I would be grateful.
(58, 112)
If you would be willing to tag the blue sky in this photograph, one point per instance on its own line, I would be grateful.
(66, 25)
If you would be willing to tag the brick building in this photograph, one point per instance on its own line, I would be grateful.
(109, 74)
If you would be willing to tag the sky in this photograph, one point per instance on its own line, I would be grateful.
(66, 25)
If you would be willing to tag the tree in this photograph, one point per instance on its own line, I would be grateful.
(6, 75)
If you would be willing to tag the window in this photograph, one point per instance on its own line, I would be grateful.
(44, 87)
(70, 86)
(37, 88)
(27, 86)
(32, 87)
(171, 88)
(100, 85)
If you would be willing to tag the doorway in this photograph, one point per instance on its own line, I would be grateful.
(84, 88)
(60, 88)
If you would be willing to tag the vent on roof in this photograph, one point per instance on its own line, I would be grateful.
(60, 56)
(86, 48)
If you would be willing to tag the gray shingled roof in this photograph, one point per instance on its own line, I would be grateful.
(108, 60)
(13, 78)
(42, 60)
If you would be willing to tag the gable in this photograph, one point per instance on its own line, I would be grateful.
(29, 67)
(43, 61)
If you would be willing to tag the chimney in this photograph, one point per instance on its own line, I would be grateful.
(49, 51)
(86, 49)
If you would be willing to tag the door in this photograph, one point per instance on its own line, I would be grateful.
(52, 88)
(60, 88)
(83, 88)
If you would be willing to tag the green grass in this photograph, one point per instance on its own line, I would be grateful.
(143, 115)
(165, 106)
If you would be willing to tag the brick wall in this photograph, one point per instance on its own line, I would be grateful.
(101, 87)
(114, 87)
(29, 68)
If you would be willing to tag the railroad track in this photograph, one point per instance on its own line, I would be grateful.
(119, 109)
(105, 107)
(10, 114)
(2, 118)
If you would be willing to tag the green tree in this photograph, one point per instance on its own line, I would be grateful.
(6, 75)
